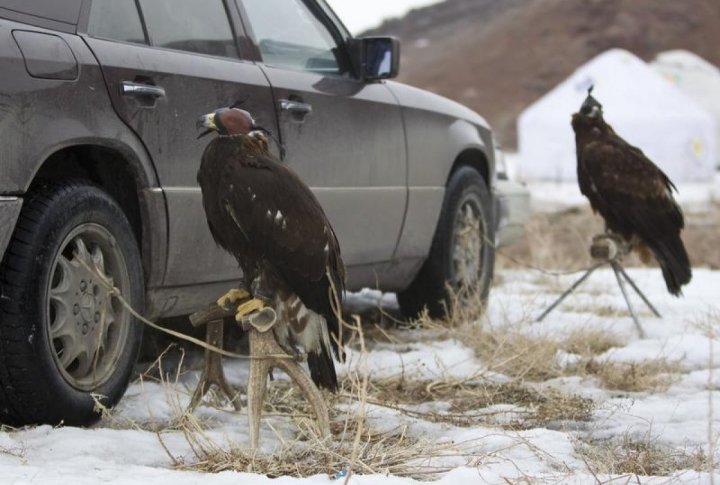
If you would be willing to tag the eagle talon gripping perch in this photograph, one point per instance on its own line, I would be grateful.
(232, 297)
(265, 354)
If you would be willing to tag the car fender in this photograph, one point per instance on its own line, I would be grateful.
(440, 135)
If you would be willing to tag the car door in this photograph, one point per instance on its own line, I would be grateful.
(343, 136)
(165, 65)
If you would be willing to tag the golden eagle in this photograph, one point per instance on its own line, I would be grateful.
(268, 219)
(631, 193)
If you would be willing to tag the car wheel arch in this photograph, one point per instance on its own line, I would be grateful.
(474, 158)
(120, 172)
(106, 167)
(428, 288)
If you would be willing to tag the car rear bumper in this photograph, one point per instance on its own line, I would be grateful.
(9, 213)
(513, 211)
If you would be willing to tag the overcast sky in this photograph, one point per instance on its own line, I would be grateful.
(358, 15)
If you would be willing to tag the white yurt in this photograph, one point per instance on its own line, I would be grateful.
(650, 113)
(697, 78)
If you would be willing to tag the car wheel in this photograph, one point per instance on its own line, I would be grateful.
(65, 339)
(461, 255)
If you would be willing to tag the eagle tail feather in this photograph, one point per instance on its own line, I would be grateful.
(322, 368)
(674, 262)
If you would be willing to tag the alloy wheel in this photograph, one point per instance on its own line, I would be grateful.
(468, 235)
(88, 327)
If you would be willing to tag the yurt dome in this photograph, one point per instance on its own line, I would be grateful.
(668, 125)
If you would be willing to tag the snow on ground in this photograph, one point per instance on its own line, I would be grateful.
(138, 443)
(679, 415)
(116, 452)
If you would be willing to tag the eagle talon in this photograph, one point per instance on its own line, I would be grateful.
(249, 307)
(231, 297)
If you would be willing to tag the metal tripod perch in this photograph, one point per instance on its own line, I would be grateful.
(608, 249)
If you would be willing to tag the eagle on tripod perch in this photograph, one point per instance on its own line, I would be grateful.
(633, 196)
(268, 219)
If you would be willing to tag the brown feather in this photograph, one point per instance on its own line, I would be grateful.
(633, 196)
(262, 213)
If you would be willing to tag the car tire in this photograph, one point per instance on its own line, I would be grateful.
(460, 258)
(65, 340)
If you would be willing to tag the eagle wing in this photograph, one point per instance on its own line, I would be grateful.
(280, 217)
(635, 199)
(631, 189)
(283, 222)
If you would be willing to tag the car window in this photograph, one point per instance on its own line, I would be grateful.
(190, 25)
(290, 35)
(116, 20)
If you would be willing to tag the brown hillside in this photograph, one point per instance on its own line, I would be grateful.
(498, 56)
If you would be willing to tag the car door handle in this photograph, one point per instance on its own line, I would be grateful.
(129, 88)
(297, 108)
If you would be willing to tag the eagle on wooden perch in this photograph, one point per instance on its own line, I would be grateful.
(634, 197)
(268, 219)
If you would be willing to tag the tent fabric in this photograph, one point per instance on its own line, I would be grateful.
(697, 78)
(650, 113)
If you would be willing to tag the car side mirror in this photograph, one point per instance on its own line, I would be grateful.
(379, 57)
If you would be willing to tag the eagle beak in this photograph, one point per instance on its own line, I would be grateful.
(207, 122)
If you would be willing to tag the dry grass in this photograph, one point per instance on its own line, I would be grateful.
(505, 349)
(644, 456)
(561, 240)
(18, 451)
(471, 402)
(534, 358)
(589, 342)
(366, 446)
(356, 446)
(378, 452)
(647, 376)
(554, 241)
(510, 350)
(363, 445)
(360, 445)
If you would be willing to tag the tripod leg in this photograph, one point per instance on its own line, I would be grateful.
(639, 292)
(567, 293)
(621, 284)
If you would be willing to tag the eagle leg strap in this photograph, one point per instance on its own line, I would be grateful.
(263, 347)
